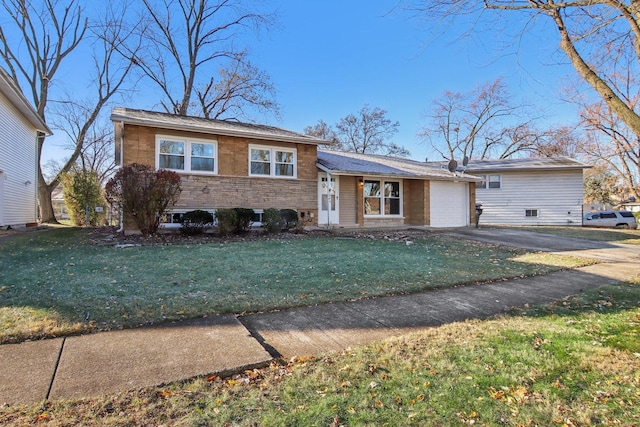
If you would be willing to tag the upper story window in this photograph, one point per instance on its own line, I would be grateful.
(186, 155)
(490, 181)
(272, 161)
(381, 197)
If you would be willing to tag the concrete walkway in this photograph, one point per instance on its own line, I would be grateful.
(110, 362)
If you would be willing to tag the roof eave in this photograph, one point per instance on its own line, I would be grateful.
(115, 117)
(466, 178)
(529, 169)
(17, 98)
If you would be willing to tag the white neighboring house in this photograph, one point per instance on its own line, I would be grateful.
(534, 191)
(19, 127)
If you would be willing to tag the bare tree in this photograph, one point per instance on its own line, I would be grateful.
(609, 141)
(368, 131)
(597, 36)
(478, 124)
(558, 141)
(239, 87)
(49, 33)
(323, 131)
(186, 39)
(97, 150)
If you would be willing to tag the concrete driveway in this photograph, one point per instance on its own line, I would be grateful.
(518, 238)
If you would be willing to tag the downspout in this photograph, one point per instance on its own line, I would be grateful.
(39, 136)
(120, 213)
(328, 201)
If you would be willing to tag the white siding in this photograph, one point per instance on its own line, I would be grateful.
(18, 163)
(557, 195)
(449, 204)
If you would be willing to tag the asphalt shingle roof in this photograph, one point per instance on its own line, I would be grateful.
(210, 126)
(507, 165)
(369, 164)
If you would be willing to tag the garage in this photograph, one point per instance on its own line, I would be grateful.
(449, 203)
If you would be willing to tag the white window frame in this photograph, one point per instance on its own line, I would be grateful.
(486, 182)
(383, 199)
(187, 156)
(272, 161)
(529, 211)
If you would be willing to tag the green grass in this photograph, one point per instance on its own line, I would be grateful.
(73, 284)
(631, 237)
(572, 363)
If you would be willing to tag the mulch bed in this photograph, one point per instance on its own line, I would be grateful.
(109, 236)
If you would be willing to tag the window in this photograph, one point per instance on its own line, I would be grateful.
(372, 198)
(186, 155)
(490, 181)
(381, 197)
(531, 213)
(392, 198)
(173, 218)
(256, 221)
(272, 161)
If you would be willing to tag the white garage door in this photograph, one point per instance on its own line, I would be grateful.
(449, 204)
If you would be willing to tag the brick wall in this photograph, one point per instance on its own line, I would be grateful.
(232, 187)
(416, 202)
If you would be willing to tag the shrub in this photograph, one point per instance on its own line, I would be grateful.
(289, 218)
(143, 194)
(244, 217)
(226, 221)
(194, 222)
(82, 194)
(272, 220)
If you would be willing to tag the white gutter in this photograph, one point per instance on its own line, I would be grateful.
(120, 213)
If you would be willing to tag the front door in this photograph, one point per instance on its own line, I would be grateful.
(328, 200)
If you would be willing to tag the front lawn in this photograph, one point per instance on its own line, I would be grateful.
(61, 281)
(572, 363)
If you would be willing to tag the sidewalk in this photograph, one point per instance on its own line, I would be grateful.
(111, 362)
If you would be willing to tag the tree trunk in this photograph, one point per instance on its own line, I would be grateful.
(47, 214)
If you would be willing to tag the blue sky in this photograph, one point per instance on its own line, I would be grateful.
(328, 58)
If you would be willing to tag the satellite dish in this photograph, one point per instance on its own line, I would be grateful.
(465, 161)
(452, 166)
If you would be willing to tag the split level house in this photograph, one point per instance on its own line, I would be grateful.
(19, 128)
(229, 164)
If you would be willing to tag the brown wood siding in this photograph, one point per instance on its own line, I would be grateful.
(348, 201)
